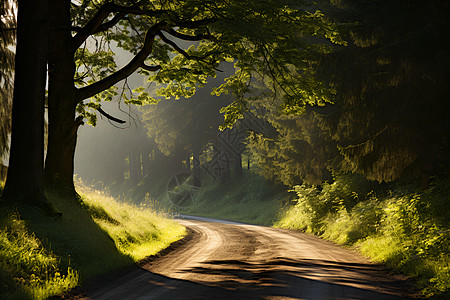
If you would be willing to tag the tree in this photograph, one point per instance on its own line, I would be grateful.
(24, 181)
(7, 39)
(294, 149)
(390, 112)
(182, 128)
(266, 37)
(389, 116)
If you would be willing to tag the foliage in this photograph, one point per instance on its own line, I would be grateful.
(189, 38)
(294, 149)
(187, 123)
(379, 124)
(41, 257)
(389, 110)
(29, 270)
(407, 231)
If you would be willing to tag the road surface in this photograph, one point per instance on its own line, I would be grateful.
(226, 260)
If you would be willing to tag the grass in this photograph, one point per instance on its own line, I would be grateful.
(408, 232)
(405, 230)
(137, 232)
(29, 270)
(247, 198)
(42, 256)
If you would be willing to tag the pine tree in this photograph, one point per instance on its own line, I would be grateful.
(390, 111)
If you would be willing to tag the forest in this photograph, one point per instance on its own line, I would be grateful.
(328, 117)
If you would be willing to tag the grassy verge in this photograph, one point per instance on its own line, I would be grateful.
(407, 231)
(247, 198)
(42, 256)
(137, 232)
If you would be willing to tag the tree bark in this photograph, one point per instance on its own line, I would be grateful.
(24, 181)
(62, 124)
(237, 164)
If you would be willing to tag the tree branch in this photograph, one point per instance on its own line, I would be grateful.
(107, 25)
(175, 46)
(8, 29)
(184, 53)
(186, 37)
(84, 32)
(150, 68)
(110, 117)
(133, 65)
(97, 24)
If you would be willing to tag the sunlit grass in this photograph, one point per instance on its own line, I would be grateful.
(407, 232)
(136, 231)
(28, 269)
(41, 256)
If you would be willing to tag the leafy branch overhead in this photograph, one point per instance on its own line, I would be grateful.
(180, 43)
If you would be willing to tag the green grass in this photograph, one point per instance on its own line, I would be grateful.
(409, 232)
(42, 256)
(247, 198)
(137, 232)
(29, 270)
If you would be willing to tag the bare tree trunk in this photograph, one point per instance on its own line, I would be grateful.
(237, 164)
(63, 125)
(24, 181)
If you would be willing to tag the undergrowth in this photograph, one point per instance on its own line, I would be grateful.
(137, 231)
(406, 231)
(247, 198)
(28, 269)
(41, 256)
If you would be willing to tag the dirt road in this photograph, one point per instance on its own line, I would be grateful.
(237, 261)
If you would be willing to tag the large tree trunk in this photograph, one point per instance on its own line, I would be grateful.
(62, 126)
(24, 181)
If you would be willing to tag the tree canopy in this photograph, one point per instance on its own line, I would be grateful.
(389, 116)
(177, 44)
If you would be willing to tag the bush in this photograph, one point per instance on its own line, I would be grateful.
(409, 232)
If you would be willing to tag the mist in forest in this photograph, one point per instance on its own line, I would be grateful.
(156, 142)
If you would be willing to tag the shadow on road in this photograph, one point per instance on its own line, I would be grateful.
(305, 279)
(280, 278)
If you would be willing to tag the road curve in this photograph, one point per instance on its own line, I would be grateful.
(226, 260)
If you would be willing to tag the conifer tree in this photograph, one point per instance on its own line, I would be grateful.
(391, 108)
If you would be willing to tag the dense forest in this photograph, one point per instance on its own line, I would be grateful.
(387, 120)
(324, 113)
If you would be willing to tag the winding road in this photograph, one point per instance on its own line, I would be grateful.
(227, 260)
